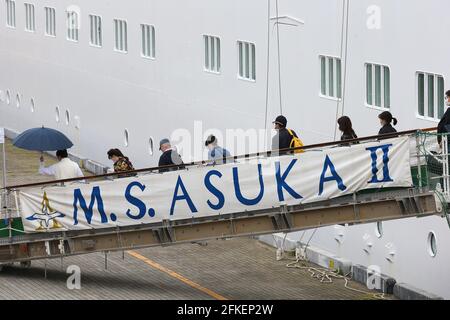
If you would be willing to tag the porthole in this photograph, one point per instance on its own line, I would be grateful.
(67, 117)
(2, 96)
(18, 100)
(8, 97)
(432, 244)
(57, 115)
(32, 106)
(379, 229)
(150, 146)
(126, 137)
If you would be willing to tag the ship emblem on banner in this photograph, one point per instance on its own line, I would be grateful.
(47, 216)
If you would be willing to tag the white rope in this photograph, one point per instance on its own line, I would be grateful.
(326, 276)
(322, 274)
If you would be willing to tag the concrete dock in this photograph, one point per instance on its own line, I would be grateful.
(241, 268)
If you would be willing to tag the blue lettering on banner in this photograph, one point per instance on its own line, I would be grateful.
(135, 201)
(183, 196)
(373, 155)
(237, 188)
(88, 212)
(219, 195)
(281, 181)
(334, 176)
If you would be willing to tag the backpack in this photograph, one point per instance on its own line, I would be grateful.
(295, 142)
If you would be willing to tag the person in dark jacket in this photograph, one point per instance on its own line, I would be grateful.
(169, 157)
(121, 163)
(444, 124)
(386, 121)
(282, 139)
(345, 126)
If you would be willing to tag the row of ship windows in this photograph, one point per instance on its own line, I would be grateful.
(65, 117)
(246, 50)
(430, 87)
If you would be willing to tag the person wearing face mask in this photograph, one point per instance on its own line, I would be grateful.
(444, 124)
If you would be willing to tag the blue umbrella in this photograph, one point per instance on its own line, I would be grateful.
(42, 139)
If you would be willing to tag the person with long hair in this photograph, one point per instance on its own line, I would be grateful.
(346, 127)
(121, 163)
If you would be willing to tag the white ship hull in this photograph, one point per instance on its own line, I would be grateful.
(104, 93)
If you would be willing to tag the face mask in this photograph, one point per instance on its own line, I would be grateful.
(447, 103)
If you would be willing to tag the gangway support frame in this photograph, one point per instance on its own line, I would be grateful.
(353, 209)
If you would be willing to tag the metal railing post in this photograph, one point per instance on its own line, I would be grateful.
(419, 165)
(445, 167)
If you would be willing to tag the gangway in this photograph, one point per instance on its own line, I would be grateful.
(428, 195)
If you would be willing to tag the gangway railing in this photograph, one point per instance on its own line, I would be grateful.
(233, 158)
(428, 196)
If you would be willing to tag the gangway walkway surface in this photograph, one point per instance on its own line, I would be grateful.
(241, 268)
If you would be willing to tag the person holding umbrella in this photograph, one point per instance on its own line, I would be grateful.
(64, 169)
(46, 139)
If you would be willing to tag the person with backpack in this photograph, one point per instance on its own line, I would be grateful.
(444, 124)
(285, 138)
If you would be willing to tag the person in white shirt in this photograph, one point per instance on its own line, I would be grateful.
(64, 169)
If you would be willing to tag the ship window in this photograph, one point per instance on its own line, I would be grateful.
(30, 21)
(96, 30)
(120, 35)
(148, 41)
(212, 53)
(150, 146)
(11, 13)
(18, 100)
(432, 245)
(379, 229)
(378, 86)
(126, 137)
(73, 25)
(67, 117)
(247, 60)
(8, 97)
(430, 95)
(330, 77)
(50, 21)
(57, 114)
(32, 105)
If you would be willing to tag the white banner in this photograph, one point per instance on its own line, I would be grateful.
(255, 184)
(2, 135)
